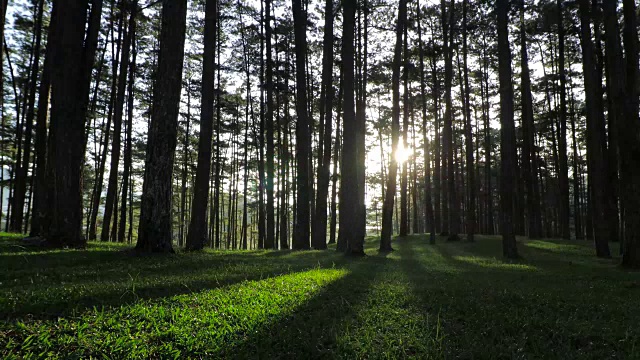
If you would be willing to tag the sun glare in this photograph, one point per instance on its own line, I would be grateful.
(403, 153)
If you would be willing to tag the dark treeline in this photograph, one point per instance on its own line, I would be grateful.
(235, 124)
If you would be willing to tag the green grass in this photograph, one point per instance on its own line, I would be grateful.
(451, 300)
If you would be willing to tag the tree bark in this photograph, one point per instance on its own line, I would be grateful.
(319, 236)
(118, 114)
(303, 135)
(595, 127)
(390, 192)
(197, 234)
(154, 234)
(630, 143)
(507, 134)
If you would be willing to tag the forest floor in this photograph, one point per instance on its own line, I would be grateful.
(449, 300)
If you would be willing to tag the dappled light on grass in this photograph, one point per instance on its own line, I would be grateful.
(448, 300)
(560, 248)
(494, 263)
(201, 324)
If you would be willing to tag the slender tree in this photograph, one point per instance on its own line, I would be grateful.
(390, 192)
(197, 234)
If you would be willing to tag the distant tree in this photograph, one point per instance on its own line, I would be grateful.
(390, 191)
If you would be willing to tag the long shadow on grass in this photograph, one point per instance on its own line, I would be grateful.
(312, 331)
(71, 286)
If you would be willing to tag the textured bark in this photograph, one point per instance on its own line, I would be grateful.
(471, 181)
(21, 171)
(563, 170)
(528, 133)
(349, 202)
(319, 236)
(38, 209)
(450, 215)
(336, 161)
(270, 235)
(154, 234)
(507, 134)
(630, 143)
(69, 99)
(595, 128)
(303, 136)
(126, 181)
(110, 211)
(115, 51)
(404, 203)
(429, 220)
(390, 192)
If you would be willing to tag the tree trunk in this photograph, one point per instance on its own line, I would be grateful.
(154, 233)
(38, 210)
(528, 134)
(197, 234)
(429, 220)
(595, 128)
(404, 203)
(390, 192)
(112, 187)
(319, 236)
(21, 173)
(126, 184)
(350, 206)
(563, 171)
(270, 235)
(508, 134)
(471, 181)
(630, 143)
(303, 135)
(69, 98)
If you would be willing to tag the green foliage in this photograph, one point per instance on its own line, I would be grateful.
(443, 301)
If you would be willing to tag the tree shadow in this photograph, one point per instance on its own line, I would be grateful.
(312, 331)
(54, 284)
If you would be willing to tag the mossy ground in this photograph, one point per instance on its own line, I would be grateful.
(449, 300)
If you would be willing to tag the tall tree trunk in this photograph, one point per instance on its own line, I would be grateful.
(197, 234)
(528, 133)
(429, 220)
(350, 207)
(38, 210)
(404, 204)
(451, 216)
(336, 161)
(70, 83)
(126, 184)
(21, 173)
(595, 128)
(563, 175)
(508, 134)
(303, 135)
(471, 181)
(115, 52)
(319, 236)
(630, 143)
(154, 234)
(112, 187)
(390, 192)
(270, 235)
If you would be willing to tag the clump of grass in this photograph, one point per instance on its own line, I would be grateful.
(422, 301)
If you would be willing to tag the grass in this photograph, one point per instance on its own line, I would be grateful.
(451, 300)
